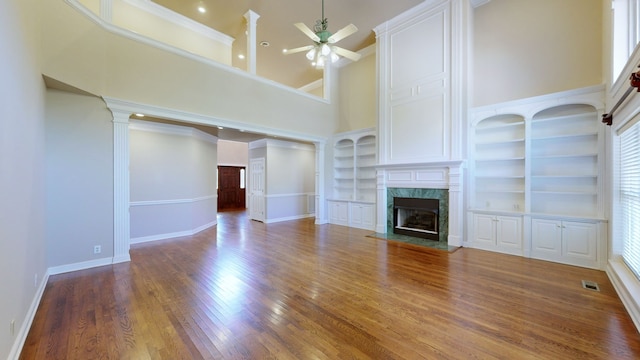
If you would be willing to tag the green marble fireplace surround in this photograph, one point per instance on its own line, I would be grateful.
(443, 213)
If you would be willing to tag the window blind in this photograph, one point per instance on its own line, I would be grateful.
(630, 197)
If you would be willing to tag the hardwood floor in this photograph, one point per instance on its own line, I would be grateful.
(294, 290)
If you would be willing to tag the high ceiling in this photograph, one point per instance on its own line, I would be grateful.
(275, 26)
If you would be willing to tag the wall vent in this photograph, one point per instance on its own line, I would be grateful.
(590, 285)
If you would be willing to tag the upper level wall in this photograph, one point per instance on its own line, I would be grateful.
(81, 53)
(358, 95)
(159, 23)
(525, 48)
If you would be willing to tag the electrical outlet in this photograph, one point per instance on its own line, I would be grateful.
(97, 249)
(12, 327)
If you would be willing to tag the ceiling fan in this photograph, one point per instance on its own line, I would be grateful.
(323, 49)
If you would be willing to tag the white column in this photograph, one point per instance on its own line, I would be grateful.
(321, 214)
(252, 19)
(121, 226)
(456, 210)
(381, 202)
(106, 10)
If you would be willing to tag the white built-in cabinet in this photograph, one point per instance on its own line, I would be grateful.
(570, 242)
(354, 180)
(536, 174)
(498, 233)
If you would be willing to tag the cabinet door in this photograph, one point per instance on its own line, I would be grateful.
(356, 215)
(579, 243)
(509, 234)
(362, 216)
(484, 231)
(369, 217)
(339, 213)
(546, 239)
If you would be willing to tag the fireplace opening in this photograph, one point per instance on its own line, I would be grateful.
(416, 217)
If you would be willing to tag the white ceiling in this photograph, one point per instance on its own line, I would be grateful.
(275, 25)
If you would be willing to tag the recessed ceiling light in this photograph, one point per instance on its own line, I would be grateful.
(202, 9)
(240, 56)
(264, 43)
(284, 51)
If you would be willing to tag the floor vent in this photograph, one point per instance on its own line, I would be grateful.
(590, 285)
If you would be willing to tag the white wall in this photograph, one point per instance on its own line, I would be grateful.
(525, 48)
(81, 53)
(173, 181)
(358, 96)
(22, 214)
(233, 153)
(79, 165)
(150, 19)
(290, 179)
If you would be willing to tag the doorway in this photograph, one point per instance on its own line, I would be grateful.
(231, 188)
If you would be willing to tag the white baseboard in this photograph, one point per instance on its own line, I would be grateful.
(628, 288)
(143, 239)
(289, 218)
(21, 337)
(80, 266)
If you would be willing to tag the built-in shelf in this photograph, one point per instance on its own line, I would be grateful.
(354, 184)
(535, 173)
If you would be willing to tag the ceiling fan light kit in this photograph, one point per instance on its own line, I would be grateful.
(322, 52)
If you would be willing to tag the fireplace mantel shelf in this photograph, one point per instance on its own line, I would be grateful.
(423, 165)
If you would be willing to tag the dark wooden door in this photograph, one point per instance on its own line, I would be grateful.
(231, 189)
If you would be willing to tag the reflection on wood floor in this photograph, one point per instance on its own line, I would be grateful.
(295, 290)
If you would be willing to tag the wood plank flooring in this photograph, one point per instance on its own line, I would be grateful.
(294, 290)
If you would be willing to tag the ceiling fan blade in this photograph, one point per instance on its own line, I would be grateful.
(299, 49)
(305, 29)
(342, 33)
(353, 56)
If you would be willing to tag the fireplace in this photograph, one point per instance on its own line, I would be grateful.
(416, 217)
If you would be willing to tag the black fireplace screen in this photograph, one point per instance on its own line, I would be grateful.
(416, 217)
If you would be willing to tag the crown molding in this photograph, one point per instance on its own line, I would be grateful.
(281, 144)
(478, 3)
(143, 125)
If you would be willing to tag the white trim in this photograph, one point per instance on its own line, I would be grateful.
(179, 130)
(106, 10)
(289, 218)
(289, 195)
(312, 86)
(80, 266)
(478, 3)
(281, 144)
(189, 117)
(183, 21)
(528, 107)
(627, 286)
(21, 337)
(121, 189)
(172, 201)
(180, 52)
(143, 239)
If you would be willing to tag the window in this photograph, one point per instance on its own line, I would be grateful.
(629, 178)
(626, 32)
